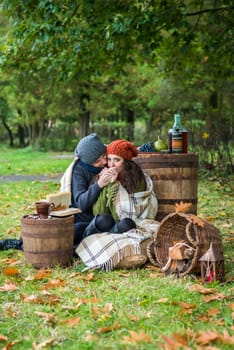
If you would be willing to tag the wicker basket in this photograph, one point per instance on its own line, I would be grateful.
(188, 230)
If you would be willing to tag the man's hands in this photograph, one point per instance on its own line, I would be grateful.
(106, 176)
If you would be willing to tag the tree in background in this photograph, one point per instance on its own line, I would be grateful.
(184, 48)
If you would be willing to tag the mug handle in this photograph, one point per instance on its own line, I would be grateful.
(51, 207)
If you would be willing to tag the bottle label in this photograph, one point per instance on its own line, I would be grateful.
(177, 142)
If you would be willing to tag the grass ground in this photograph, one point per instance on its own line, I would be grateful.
(65, 308)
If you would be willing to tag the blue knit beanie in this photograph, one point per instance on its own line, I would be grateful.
(90, 148)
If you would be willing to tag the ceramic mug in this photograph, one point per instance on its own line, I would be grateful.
(43, 209)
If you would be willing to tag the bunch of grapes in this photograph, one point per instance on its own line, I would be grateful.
(147, 147)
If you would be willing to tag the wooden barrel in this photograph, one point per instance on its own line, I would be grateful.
(175, 179)
(47, 242)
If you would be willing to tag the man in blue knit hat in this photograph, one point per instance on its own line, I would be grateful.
(89, 176)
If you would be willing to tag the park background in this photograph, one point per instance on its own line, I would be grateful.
(121, 69)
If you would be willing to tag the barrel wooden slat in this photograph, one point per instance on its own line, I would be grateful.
(47, 242)
(175, 179)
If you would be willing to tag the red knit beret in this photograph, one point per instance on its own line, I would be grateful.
(122, 148)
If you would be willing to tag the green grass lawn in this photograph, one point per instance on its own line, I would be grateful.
(65, 308)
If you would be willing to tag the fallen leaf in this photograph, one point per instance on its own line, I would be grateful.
(217, 296)
(3, 338)
(89, 277)
(71, 322)
(8, 287)
(210, 218)
(137, 337)
(185, 307)
(197, 221)
(44, 344)
(50, 318)
(113, 327)
(207, 337)
(176, 341)
(213, 312)
(11, 261)
(10, 271)
(162, 300)
(91, 337)
(182, 207)
(211, 336)
(123, 274)
(10, 312)
(41, 274)
(48, 299)
(201, 289)
(54, 284)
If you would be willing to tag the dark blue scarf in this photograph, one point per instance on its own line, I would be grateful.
(93, 169)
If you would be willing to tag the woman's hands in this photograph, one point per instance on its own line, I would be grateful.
(106, 176)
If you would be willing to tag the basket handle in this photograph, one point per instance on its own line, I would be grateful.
(191, 240)
(149, 254)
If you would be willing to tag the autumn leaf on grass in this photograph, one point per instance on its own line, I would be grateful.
(107, 329)
(49, 318)
(103, 313)
(89, 277)
(185, 307)
(3, 338)
(200, 289)
(137, 337)
(41, 274)
(10, 312)
(11, 261)
(71, 322)
(91, 337)
(217, 296)
(162, 300)
(175, 341)
(182, 207)
(44, 344)
(213, 312)
(124, 274)
(211, 336)
(48, 299)
(10, 271)
(8, 287)
(54, 284)
(88, 301)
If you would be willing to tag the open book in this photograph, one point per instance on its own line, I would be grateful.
(61, 201)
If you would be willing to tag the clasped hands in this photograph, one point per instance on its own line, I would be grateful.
(106, 176)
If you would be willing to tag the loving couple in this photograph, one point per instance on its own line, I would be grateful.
(116, 198)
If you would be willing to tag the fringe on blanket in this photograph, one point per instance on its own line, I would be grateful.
(129, 250)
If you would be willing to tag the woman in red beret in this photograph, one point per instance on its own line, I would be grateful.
(127, 205)
(124, 203)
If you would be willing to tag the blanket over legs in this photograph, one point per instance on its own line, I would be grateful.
(105, 250)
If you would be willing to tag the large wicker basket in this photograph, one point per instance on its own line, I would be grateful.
(192, 232)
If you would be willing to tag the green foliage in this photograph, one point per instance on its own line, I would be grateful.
(67, 70)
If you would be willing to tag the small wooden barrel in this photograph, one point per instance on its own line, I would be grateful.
(47, 242)
(175, 179)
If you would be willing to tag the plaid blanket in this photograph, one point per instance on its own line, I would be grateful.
(105, 250)
(137, 206)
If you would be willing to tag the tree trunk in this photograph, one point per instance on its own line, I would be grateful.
(10, 134)
(85, 115)
(130, 118)
(21, 135)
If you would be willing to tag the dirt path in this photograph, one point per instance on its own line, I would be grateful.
(15, 178)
